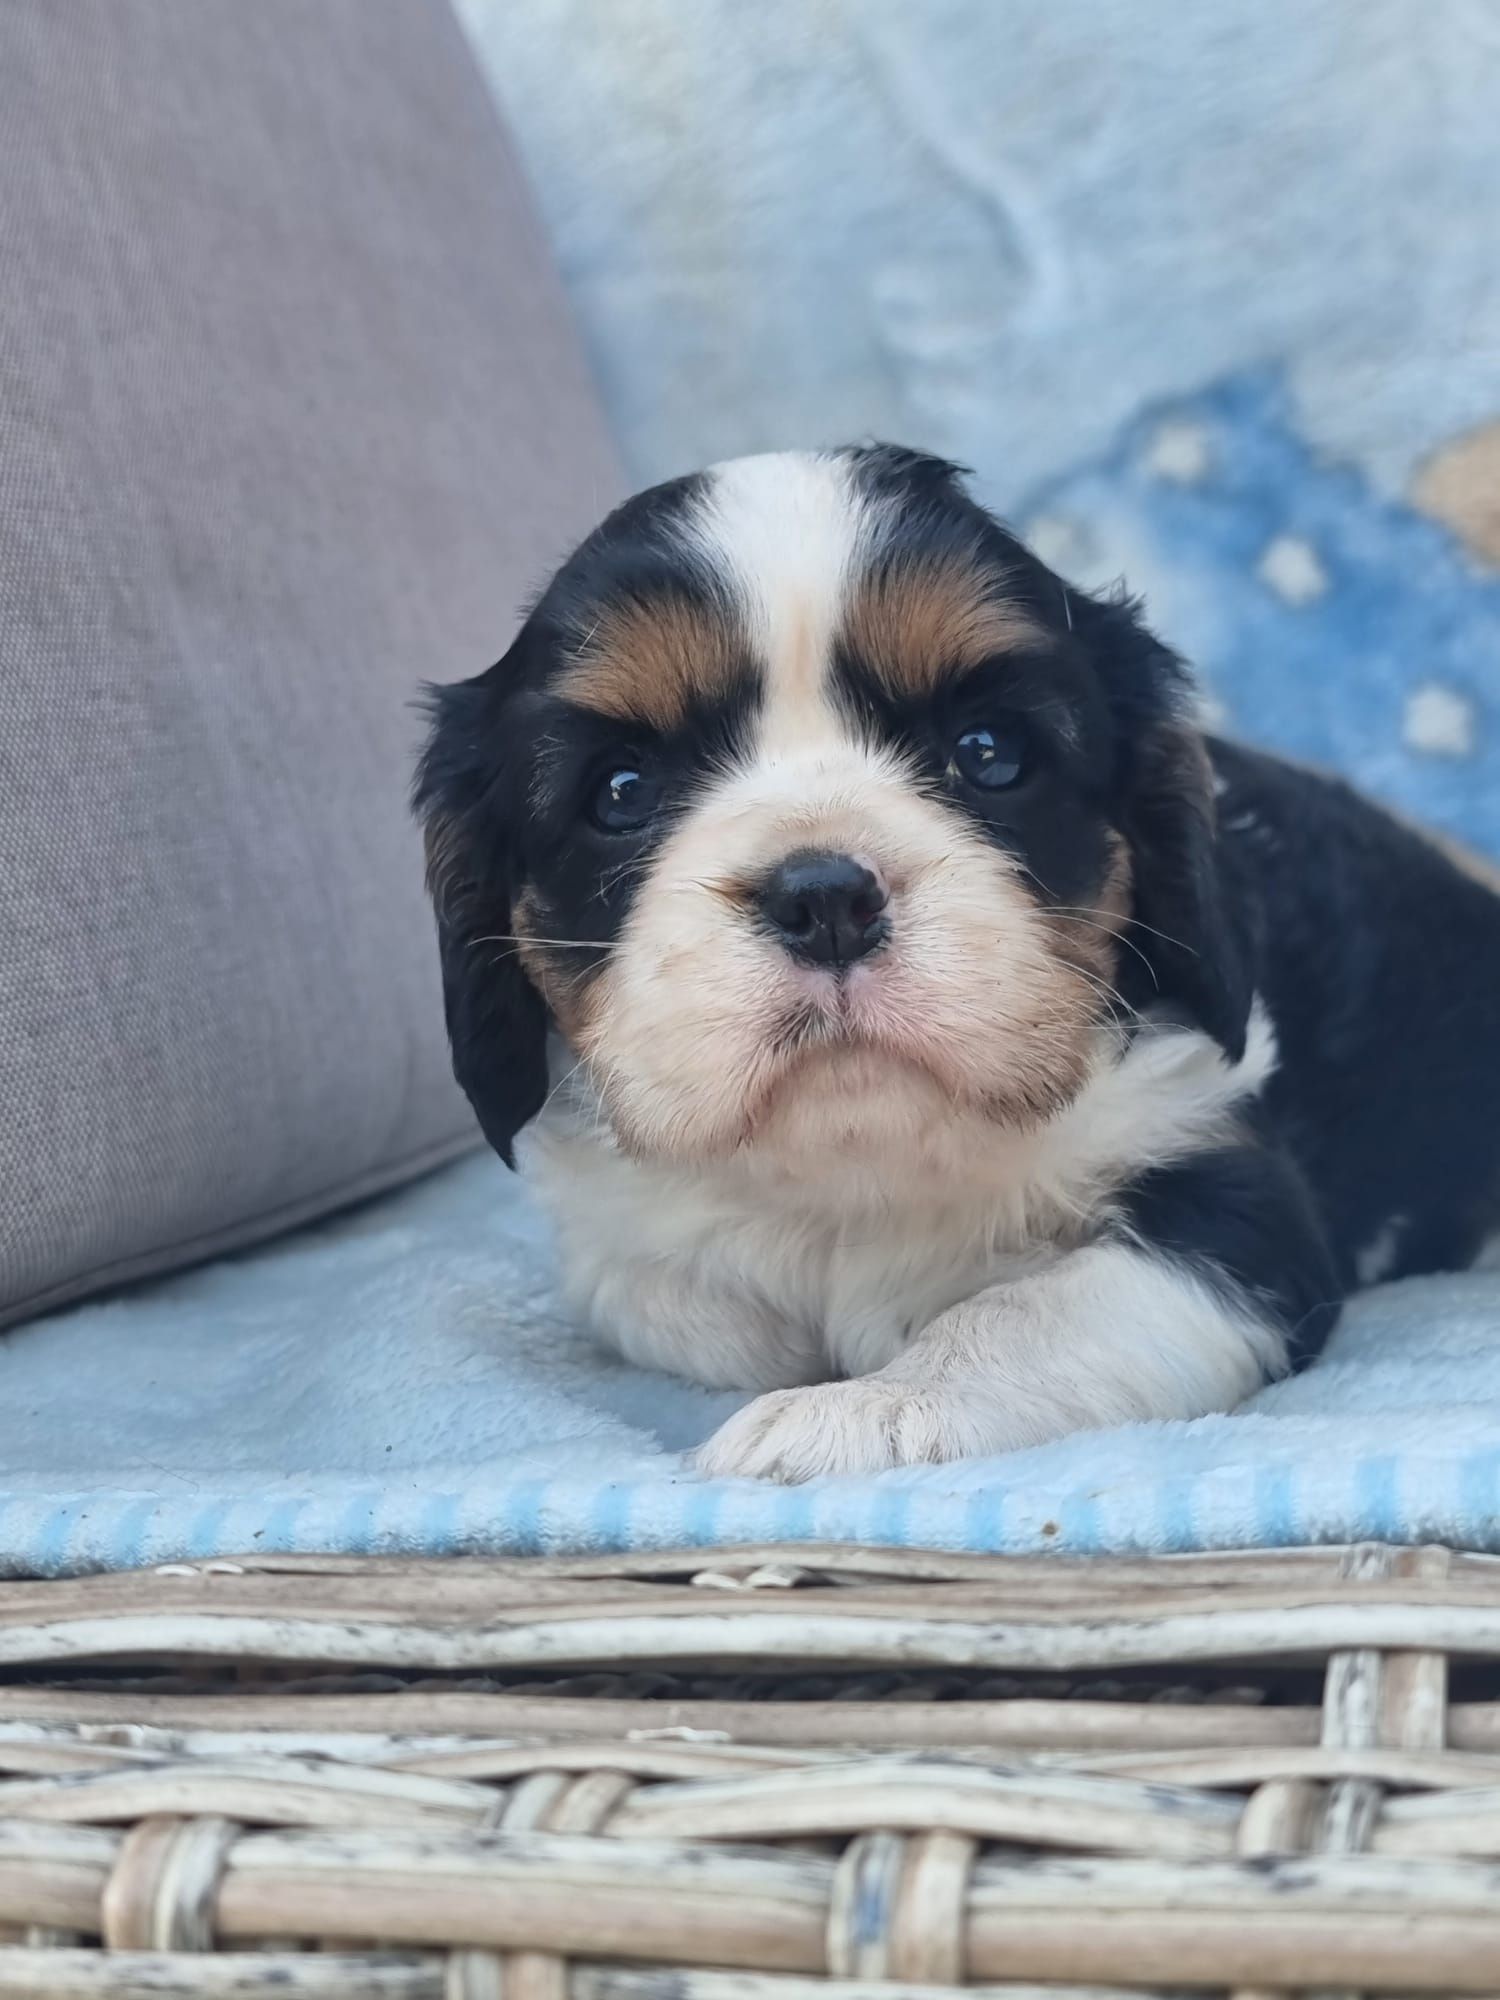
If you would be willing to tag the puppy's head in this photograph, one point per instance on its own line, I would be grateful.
(808, 806)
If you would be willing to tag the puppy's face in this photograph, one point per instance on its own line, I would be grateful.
(808, 806)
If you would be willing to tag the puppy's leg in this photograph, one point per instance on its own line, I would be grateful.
(1201, 1290)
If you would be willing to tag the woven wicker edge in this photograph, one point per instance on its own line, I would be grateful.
(513, 1842)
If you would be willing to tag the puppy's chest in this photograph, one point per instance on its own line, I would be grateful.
(849, 1274)
(874, 1281)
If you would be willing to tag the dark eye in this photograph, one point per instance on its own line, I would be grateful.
(624, 799)
(989, 757)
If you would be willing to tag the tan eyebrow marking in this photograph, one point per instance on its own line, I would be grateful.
(916, 625)
(651, 662)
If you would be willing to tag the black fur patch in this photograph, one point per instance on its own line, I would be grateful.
(1379, 963)
(1242, 1218)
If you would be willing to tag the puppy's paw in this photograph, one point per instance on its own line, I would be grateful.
(837, 1427)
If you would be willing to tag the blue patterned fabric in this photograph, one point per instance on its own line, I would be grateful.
(1345, 630)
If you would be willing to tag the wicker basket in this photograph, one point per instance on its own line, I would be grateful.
(753, 1775)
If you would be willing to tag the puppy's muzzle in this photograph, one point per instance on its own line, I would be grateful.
(825, 909)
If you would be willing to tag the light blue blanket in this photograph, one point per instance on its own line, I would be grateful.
(402, 1380)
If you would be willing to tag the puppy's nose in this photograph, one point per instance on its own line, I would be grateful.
(827, 909)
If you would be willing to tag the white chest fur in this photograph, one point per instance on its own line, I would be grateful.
(825, 1249)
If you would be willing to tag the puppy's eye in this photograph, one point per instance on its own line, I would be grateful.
(624, 799)
(990, 757)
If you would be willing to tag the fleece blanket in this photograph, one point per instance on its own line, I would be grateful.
(403, 1380)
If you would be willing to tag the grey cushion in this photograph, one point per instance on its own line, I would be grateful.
(291, 417)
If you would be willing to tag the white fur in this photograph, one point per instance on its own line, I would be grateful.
(788, 528)
(1106, 1334)
(747, 1273)
(1377, 1258)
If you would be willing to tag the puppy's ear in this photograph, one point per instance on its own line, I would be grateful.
(497, 1021)
(1190, 929)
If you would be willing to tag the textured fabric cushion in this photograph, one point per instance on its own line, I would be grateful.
(290, 418)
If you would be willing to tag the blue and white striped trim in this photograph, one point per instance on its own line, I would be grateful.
(1406, 1498)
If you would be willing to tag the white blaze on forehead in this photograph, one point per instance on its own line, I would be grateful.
(787, 532)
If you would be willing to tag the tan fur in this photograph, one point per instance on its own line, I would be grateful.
(564, 977)
(918, 627)
(650, 663)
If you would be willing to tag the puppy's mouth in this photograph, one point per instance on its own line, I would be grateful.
(831, 1072)
(831, 1010)
(845, 1014)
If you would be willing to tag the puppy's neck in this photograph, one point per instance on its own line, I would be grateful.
(848, 1145)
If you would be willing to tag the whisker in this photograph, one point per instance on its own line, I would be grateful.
(562, 1082)
(1072, 909)
(1106, 991)
(560, 944)
(622, 871)
(1077, 917)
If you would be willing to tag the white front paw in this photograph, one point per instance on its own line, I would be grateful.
(837, 1427)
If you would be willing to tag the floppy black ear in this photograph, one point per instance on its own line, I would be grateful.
(1191, 929)
(497, 1020)
(1194, 933)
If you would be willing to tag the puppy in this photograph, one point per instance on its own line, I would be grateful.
(912, 1015)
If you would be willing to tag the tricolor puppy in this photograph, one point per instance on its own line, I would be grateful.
(912, 1016)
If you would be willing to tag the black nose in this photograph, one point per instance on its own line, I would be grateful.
(825, 908)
